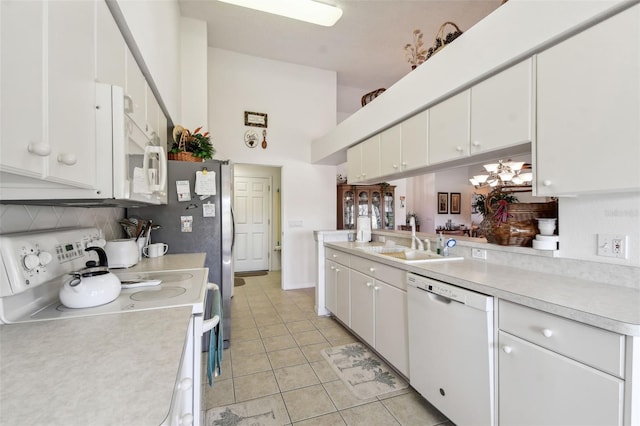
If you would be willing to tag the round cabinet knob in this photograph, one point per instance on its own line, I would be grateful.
(547, 333)
(546, 182)
(44, 257)
(337, 270)
(186, 420)
(334, 255)
(376, 288)
(372, 269)
(41, 149)
(459, 148)
(475, 143)
(404, 164)
(364, 175)
(185, 384)
(30, 261)
(369, 284)
(507, 349)
(332, 267)
(67, 159)
(395, 166)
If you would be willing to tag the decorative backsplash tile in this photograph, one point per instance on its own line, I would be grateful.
(20, 218)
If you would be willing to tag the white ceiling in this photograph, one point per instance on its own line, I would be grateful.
(365, 47)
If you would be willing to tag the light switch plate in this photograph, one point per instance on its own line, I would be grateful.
(613, 245)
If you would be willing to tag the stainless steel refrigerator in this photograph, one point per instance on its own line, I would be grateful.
(211, 229)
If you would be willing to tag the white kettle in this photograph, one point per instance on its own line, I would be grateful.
(92, 286)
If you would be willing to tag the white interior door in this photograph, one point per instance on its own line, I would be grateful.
(251, 208)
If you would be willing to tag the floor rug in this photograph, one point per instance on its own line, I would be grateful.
(362, 371)
(267, 411)
(238, 282)
(251, 273)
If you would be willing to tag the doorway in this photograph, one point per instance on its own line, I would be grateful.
(256, 194)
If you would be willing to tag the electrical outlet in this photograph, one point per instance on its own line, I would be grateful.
(611, 245)
(477, 253)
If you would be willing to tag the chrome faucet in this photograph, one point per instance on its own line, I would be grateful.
(412, 223)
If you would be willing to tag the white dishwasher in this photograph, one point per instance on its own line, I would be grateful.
(451, 339)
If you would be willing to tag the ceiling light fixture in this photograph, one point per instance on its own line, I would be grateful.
(302, 10)
(508, 175)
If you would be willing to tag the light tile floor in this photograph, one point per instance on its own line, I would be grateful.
(276, 339)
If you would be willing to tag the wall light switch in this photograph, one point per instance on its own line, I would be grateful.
(613, 245)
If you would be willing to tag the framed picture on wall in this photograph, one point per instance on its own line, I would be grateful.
(455, 203)
(443, 202)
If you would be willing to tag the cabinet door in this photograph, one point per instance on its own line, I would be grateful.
(330, 286)
(587, 110)
(362, 306)
(391, 328)
(371, 158)
(539, 387)
(71, 93)
(343, 294)
(415, 136)
(111, 48)
(135, 91)
(391, 151)
(21, 87)
(501, 109)
(354, 164)
(449, 129)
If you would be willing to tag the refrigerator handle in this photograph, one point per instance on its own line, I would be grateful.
(233, 229)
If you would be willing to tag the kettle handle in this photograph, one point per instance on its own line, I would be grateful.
(102, 256)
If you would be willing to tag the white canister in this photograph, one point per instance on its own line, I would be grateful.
(121, 253)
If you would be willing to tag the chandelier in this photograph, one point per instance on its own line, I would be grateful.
(504, 174)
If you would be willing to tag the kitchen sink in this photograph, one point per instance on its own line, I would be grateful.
(407, 255)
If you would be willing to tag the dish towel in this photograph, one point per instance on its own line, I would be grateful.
(216, 340)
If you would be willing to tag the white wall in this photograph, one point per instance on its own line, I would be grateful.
(583, 217)
(193, 69)
(300, 103)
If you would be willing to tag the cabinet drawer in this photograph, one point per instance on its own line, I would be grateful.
(388, 274)
(594, 346)
(337, 256)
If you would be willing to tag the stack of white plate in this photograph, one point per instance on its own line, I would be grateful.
(546, 242)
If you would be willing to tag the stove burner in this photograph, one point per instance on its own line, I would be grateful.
(163, 293)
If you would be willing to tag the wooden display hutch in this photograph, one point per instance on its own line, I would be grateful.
(375, 201)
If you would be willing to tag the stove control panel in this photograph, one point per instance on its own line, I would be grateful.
(30, 259)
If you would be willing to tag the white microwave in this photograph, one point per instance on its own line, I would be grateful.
(128, 165)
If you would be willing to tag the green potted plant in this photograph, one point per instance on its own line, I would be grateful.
(187, 146)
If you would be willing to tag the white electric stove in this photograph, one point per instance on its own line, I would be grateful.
(35, 265)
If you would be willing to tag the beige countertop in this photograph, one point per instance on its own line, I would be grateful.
(169, 262)
(599, 304)
(114, 369)
(102, 370)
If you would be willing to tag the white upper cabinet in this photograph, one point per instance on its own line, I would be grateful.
(363, 161)
(391, 151)
(71, 93)
(48, 92)
(24, 145)
(415, 137)
(404, 146)
(588, 109)
(111, 48)
(135, 91)
(501, 109)
(449, 129)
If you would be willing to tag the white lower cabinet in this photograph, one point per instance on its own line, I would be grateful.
(391, 327)
(337, 291)
(379, 311)
(540, 380)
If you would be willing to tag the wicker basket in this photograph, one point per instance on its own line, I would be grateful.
(368, 97)
(520, 226)
(442, 38)
(184, 156)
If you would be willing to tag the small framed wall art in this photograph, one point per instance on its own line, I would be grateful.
(255, 119)
(443, 202)
(455, 203)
